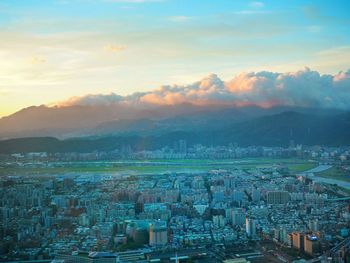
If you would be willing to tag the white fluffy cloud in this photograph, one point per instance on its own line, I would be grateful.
(305, 88)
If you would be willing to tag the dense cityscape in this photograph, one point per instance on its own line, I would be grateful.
(229, 210)
(174, 131)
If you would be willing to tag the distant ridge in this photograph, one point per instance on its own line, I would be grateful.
(266, 130)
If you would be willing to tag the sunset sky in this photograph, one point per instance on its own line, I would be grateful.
(51, 50)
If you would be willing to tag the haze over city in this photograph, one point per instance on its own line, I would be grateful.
(142, 131)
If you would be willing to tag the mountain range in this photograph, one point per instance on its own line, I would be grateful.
(108, 127)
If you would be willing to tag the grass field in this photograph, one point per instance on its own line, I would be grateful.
(161, 166)
(335, 173)
(300, 167)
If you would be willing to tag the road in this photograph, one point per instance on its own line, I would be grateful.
(312, 174)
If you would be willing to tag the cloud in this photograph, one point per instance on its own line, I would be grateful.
(256, 4)
(303, 88)
(93, 99)
(252, 12)
(314, 29)
(35, 60)
(179, 18)
(114, 48)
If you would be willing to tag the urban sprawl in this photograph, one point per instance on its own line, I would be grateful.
(177, 204)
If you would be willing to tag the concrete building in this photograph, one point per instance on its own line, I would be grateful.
(238, 216)
(218, 221)
(298, 240)
(311, 245)
(313, 225)
(250, 227)
(158, 235)
(277, 197)
(255, 195)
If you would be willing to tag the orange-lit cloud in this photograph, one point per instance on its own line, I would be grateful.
(114, 48)
(304, 88)
(37, 60)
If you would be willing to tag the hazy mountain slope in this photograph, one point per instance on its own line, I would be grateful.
(272, 130)
(279, 129)
(76, 121)
(83, 120)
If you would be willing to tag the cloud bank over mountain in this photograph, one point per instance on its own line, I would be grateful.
(210, 103)
(304, 88)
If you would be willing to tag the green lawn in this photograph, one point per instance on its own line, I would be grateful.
(161, 166)
(335, 173)
(300, 167)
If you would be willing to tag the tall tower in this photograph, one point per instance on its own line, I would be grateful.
(250, 227)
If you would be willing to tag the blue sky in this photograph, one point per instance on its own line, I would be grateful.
(52, 50)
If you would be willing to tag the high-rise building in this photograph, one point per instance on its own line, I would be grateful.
(158, 235)
(255, 195)
(84, 219)
(277, 197)
(313, 225)
(311, 245)
(218, 221)
(298, 240)
(250, 227)
(238, 216)
(237, 196)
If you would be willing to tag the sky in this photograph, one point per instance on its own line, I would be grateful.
(51, 50)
